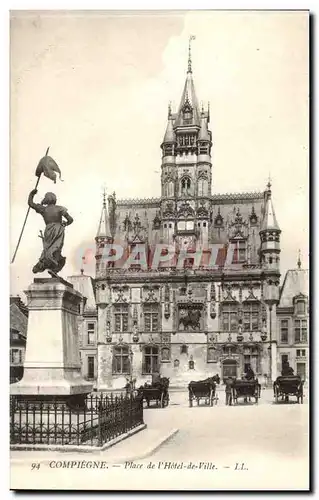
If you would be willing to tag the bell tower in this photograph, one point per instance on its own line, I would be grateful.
(186, 169)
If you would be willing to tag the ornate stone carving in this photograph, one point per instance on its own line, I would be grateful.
(213, 301)
(228, 297)
(156, 221)
(189, 317)
(120, 290)
(167, 308)
(185, 210)
(219, 221)
(202, 210)
(251, 296)
(150, 293)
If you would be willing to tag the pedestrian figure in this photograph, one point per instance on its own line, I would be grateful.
(228, 391)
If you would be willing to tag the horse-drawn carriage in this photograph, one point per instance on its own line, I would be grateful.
(289, 385)
(203, 389)
(157, 392)
(242, 388)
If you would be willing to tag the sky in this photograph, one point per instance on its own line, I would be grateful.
(95, 87)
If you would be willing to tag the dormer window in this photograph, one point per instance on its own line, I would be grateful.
(187, 112)
(300, 305)
(239, 251)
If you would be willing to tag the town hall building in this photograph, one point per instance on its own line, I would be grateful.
(187, 318)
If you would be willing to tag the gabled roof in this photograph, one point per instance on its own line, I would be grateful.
(296, 282)
(18, 321)
(85, 285)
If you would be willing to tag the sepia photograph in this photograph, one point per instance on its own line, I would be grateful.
(159, 249)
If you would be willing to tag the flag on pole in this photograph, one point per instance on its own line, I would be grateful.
(48, 167)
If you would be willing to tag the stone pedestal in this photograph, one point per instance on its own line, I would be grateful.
(52, 359)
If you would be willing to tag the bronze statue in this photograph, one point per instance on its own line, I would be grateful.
(53, 237)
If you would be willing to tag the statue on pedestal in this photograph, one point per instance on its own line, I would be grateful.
(56, 219)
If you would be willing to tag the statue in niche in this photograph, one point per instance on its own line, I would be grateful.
(190, 319)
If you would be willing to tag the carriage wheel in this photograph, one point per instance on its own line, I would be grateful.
(162, 401)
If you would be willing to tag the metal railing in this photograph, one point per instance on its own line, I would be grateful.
(101, 419)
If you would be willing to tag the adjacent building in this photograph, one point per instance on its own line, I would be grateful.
(87, 324)
(293, 321)
(18, 337)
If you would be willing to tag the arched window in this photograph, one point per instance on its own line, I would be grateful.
(202, 187)
(185, 185)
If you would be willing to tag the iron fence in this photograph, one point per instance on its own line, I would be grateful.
(101, 419)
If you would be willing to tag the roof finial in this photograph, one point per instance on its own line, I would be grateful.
(192, 37)
(169, 109)
(104, 197)
(269, 182)
(82, 268)
(299, 259)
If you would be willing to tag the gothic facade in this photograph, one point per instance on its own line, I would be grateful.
(196, 313)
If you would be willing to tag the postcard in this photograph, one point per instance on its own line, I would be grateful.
(159, 302)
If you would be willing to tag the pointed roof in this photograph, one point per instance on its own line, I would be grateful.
(296, 282)
(169, 134)
(18, 321)
(189, 99)
(104, 226)
(85, 285)
(269, 220)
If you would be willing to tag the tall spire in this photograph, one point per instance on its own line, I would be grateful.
(188, 103)
(104, 227)
(189, 69)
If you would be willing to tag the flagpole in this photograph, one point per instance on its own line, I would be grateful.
(26, 217)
